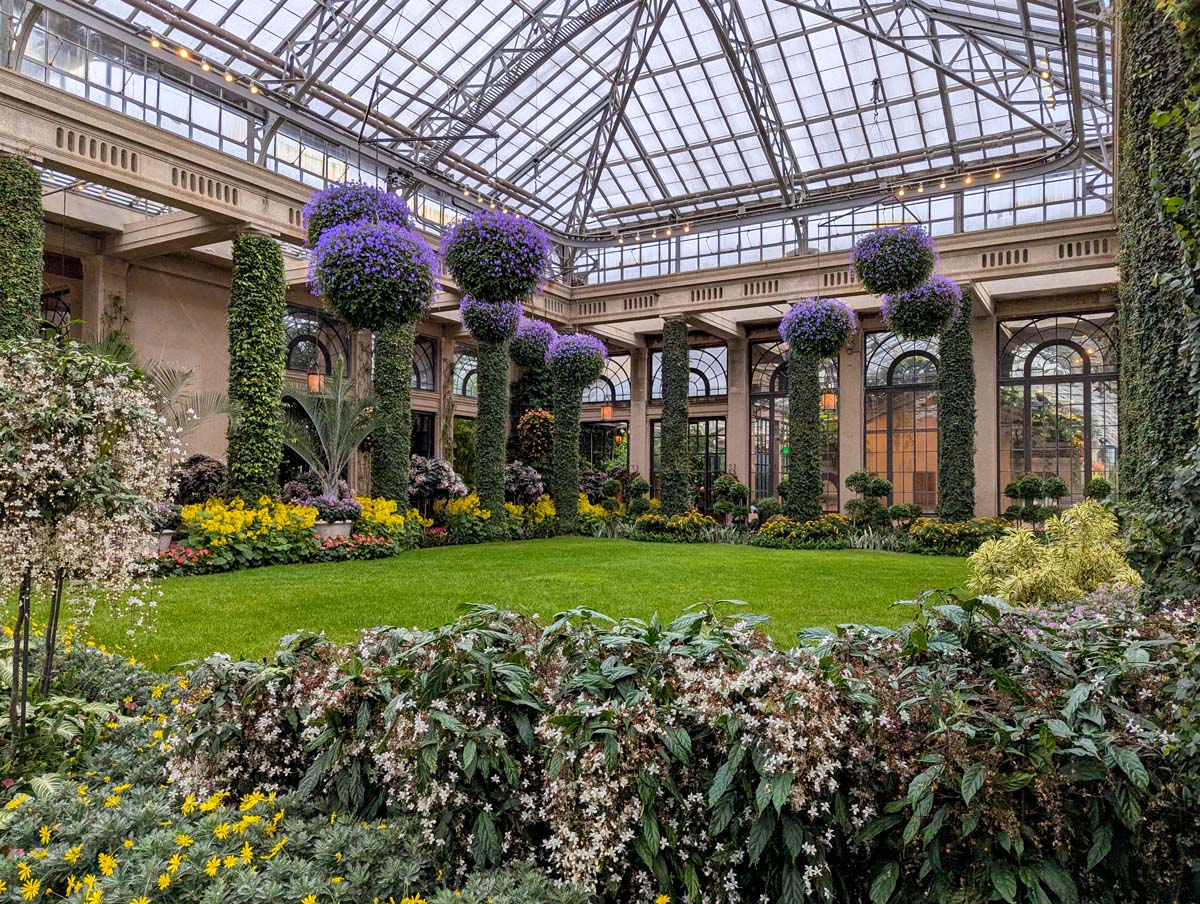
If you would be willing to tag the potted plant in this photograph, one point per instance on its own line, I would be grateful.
(164, 521)
(335, 515)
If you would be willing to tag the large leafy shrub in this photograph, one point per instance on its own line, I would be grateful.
(199, 478)
(22, 237)
(935, 537)
(691, 527)
(1082, 551)
(522, 484)
(431, 480)
(828, 531)
(257, 349)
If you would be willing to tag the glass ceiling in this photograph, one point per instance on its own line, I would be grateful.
(604, 116)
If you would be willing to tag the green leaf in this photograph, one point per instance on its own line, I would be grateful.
(468, 758)
(485, 841)
(1132, 767)
(884, 883)
(972, 780)
(1004, 881)
(1058, 880)
(1101, 845)
(760, 835)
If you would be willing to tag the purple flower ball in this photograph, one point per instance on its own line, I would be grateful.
(490, 321)
(893, 259)
(818, 327)
(373, 274)
(496, 256)
(532, 342)
(576, 359)
(924, 311)
(341, 203)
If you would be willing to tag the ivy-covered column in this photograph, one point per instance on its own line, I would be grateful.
(805, 487)
(674, 486)
(1157, 419)
(575, 361)
(22, 237)
(257, 349)
(392, 448)
(814, 329)
(498, 260)
(956, 419)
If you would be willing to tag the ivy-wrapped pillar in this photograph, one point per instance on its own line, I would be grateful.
(956, 419)
(805, 487)
(575, 362)
(22, 237)
(391, 453)
(675, 491)
(814, 329)
(257, 351)
(498, 260)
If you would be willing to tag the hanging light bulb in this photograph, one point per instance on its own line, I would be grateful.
(183, 53)
(942, 184)
(466, 192)
(654, 234)
(921, 188)
(253, 88)
(229, 76)
(687, 227)
(205, 66)
(996, 174)
(620, 240)
(668, 232)
(968, 179)
(900, 192)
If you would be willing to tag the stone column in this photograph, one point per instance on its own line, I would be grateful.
(851, 415)
(639, 421)
(737, 417)
(105, 291)
(987, 412)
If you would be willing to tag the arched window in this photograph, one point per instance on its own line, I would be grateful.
(56, 311)
(901, 429)
(769, 421)
(314, 341)
(466, 372)
(708, 372)
(1058, 399)
(613, 384)
(425, 364)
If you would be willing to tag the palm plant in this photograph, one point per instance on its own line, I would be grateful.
(325, 427)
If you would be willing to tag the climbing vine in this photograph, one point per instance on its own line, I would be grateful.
(257, 349)
(22, 237)
(956, 420)
(675, 489)
(392, 446)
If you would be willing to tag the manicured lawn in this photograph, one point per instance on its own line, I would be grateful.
(244, 613)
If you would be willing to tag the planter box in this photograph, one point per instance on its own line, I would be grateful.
(162, 543)
(326, 530)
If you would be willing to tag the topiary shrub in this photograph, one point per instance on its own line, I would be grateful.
(956, 420)
(373, 274)
(496, 256)
(257, 351)
(535, 435)
(893, 259)
(352, 202)
(1082, 552)
(1098, 488)
(868, 509)
(198, 479)
(674, 467)
(22, 239)
(925, 311)
(767, 508)
(391, 446)
(806, 486)
(575, 361)
(530, 345)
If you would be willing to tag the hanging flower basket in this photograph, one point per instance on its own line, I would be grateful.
(373, 274)
(496, 256)
(924, 311)
(352, 202)
(818, 327)
(532, 342)
(576, 359)
(490, 321)
(893, 259)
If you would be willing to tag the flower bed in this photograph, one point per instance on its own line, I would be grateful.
(825, 532)
(932, 537)
(632, 760)
(690, 528)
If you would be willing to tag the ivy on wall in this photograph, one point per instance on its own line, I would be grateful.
(676, 494)
(805, 488)
(492, 363)
(391, 453)
(257, 350)
(1157, 415)
(956, 419)
(22, 237)
(564, 476)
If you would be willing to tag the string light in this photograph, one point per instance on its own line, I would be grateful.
(901, 192)
(687, 227)
(921, 189)
(466, 192)
(229, 76)
(253, 88)
(668, 232)
(942, 184)
(155, 42)
(968, 179)
(204, 66)
(183, 53)
(996, 174)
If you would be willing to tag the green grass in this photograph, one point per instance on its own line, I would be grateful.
(244, 613)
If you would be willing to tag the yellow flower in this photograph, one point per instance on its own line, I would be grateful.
(247, 854)
(24, 871)
(30, 889)
(663, 899)
(72, 854)
(128, 842)
(252, 800)
(184, 840)
(140, 899)
(163, 881)
(107, 863)
(210, 867)
(309, 899)
(44, 834)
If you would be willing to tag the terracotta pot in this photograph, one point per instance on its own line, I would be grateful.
(326, 530)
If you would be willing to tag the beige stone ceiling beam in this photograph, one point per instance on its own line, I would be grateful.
(170, 233)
